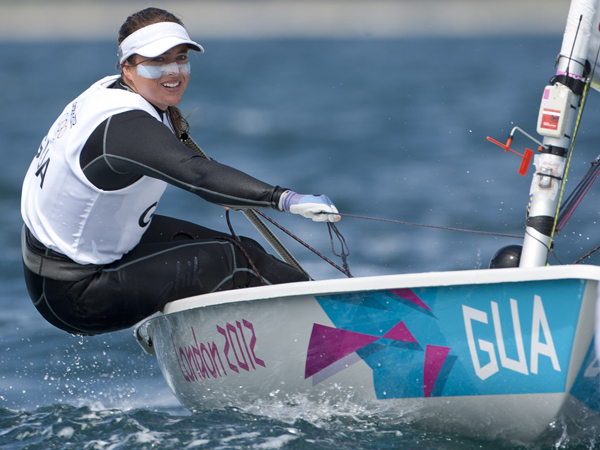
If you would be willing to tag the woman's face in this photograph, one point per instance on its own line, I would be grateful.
(161, 80)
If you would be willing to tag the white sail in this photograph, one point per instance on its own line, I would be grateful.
(594, 50)
(580, 40)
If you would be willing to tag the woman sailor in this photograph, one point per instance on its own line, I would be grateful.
(96, 258)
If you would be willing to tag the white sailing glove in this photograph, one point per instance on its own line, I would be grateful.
(316, 207)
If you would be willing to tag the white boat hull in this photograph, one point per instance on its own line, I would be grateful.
(493, 353)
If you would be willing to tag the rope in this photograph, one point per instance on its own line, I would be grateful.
(229, 225)
(588, 254)
(297, 239)
(432, 226)
(575, 198)
(595, 173)
(344, 252)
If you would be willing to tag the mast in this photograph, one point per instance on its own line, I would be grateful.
(556, 122)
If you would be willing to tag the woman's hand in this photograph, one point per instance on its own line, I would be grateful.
(316, 207)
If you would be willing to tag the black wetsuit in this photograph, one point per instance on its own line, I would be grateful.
(174, 259)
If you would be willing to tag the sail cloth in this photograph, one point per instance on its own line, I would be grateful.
(581, 40)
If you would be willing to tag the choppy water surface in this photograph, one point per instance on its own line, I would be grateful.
(389, 129)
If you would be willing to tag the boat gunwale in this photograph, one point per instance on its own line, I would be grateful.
(382, 282)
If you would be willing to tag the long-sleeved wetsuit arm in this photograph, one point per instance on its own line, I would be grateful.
(133, 144)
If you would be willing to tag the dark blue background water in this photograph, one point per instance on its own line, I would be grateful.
(392, 129)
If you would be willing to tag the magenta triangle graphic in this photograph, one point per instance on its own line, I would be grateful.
(408, 294)
(400, 333)
(328, 345)
(434, 360)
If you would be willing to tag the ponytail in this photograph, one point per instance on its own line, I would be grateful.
(180, 125)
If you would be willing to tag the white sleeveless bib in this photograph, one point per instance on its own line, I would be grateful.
(63, 209)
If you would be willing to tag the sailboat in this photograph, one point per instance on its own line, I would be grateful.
(505, 352)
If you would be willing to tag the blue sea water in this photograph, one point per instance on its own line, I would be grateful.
(392, 129)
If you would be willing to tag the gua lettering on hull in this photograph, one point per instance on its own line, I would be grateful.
(542, 342)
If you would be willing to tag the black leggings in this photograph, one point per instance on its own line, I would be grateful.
(175, 259)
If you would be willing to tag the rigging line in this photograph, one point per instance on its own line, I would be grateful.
(345, 250)
(556, 258)
(297, 239)
(588, 254)
(489, 233)
(576, 197)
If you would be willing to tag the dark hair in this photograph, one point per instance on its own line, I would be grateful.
(140, 20)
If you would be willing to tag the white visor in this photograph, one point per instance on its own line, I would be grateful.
(154, 40)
